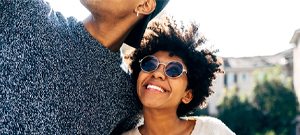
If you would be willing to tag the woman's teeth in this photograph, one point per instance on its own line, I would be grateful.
(155, 87)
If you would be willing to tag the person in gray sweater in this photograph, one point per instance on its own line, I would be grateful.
(63, 76)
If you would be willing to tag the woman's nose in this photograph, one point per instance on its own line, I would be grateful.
(159, 73)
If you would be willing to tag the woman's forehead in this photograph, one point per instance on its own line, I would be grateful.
(164, 57)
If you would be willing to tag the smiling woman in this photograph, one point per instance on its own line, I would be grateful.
(173, 78)
(167, 92)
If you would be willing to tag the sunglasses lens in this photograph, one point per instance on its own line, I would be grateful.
(149, 64)
(174, 69)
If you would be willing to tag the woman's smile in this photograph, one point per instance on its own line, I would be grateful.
(154, 88)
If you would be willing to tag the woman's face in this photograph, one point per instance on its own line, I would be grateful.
(157, 90)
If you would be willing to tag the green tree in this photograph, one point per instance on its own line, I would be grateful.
(239, 115)
(278, 105)
(270, 111)
(276, 99)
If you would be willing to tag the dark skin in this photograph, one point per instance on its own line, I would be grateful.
(111, 23)
(159, 108)
(165, 98)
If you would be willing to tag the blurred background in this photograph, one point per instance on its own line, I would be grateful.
(258, 41)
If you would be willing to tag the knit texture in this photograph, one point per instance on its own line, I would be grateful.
(55, 78)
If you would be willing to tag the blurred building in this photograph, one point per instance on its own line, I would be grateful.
(240, 73)
(296, 40)
(296, 54)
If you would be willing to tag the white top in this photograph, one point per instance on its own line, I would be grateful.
(204, 126)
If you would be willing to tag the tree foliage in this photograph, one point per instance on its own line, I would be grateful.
(271, 110)
(278, 105)
(240, 116)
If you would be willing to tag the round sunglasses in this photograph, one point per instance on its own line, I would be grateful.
(173, 69)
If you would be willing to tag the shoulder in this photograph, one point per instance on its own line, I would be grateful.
(134, 131)
(25, 7)
(23, 15)
(209, 120)
(210, 125)
(203, 119)
(34, 13)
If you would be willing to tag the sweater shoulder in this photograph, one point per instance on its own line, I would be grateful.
(24, 8)
(210, 125)
(31, 13)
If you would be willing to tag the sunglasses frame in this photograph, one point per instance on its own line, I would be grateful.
(183, 70)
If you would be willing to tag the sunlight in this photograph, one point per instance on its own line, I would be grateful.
(236, 28)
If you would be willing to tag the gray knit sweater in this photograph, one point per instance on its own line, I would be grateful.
(55, 78)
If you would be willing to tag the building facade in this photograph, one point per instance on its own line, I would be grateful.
(296, 54)
(242, 73)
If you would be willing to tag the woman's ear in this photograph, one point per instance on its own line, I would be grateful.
(188, 96)
(146, 8)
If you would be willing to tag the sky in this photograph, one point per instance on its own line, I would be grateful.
(238, 28)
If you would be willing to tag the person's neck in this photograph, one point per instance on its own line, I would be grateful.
(157, 122)
(109, 32)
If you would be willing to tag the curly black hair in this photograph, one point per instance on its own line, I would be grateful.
(202, 65)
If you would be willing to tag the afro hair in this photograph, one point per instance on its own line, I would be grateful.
(202, 65)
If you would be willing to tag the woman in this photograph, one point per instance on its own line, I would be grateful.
(173, 78)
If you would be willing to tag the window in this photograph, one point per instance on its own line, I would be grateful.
(225, 80)
(244, 76)
(235, 78)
